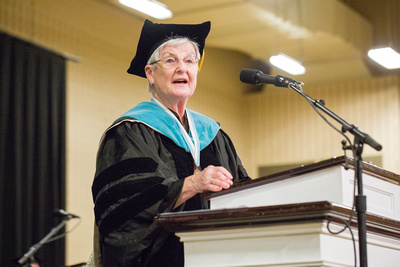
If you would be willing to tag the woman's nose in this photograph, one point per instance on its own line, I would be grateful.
(181, 65)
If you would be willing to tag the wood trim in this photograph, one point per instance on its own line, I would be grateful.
(206, 220)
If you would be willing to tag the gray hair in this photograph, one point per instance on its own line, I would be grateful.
(171, 42)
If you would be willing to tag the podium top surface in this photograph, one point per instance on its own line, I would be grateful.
(336, 161)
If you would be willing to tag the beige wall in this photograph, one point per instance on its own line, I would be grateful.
(273, 127)
(286, 130)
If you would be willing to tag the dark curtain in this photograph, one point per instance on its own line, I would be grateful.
(32, 150)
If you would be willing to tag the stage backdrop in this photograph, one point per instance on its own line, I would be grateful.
(32, 150)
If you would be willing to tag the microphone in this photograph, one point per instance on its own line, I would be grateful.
(63, 213)
(252, 76)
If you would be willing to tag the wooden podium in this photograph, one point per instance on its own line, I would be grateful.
(282, 220)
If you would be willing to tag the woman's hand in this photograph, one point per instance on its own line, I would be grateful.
(210, 179)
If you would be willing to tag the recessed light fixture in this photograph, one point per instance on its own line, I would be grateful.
(387, 57)
(152, 8)
(287, 64)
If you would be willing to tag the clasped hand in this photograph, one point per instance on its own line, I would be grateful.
(212, 179)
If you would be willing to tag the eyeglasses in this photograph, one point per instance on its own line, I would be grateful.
(171, 61)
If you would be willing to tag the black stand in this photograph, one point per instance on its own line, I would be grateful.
(361, 205)
(33, 249)
(360, 139)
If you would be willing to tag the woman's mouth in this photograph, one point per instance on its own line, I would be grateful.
(180, 81)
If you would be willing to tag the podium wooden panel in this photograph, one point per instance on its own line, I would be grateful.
(281, 235)
(287, 234)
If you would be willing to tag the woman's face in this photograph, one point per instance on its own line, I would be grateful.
(174, 84)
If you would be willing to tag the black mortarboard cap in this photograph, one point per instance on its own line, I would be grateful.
(155, 34)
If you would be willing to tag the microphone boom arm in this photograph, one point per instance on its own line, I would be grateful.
(32, 250)
(362, 137)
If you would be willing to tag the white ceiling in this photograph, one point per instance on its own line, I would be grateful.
(329, 37)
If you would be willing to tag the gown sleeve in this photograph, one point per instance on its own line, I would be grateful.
(134, 181)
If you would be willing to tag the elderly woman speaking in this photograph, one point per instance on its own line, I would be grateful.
(159, 156)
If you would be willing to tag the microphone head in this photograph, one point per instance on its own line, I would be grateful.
(250, 76)
(63, 213)
(60, 212)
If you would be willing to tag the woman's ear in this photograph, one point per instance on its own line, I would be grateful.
(149, 73)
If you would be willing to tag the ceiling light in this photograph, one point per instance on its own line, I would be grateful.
(152, 8)
(287, 64)
(386, 57)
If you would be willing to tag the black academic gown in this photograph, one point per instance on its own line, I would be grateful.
(140, 174)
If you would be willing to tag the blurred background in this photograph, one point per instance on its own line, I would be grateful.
(273, 128)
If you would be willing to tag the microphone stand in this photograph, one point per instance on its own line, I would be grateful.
(360, 139)
(33, 249)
